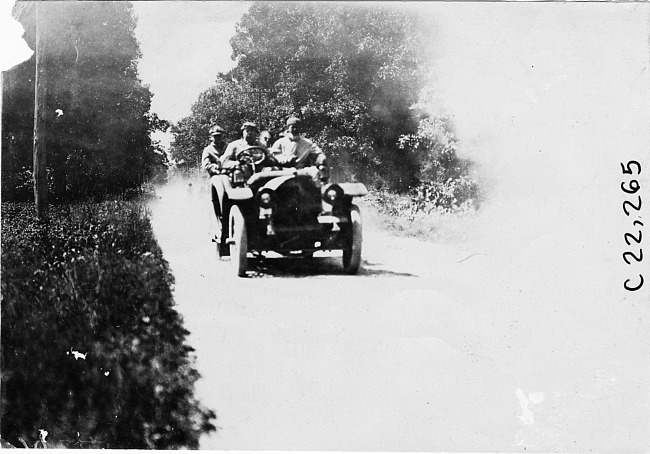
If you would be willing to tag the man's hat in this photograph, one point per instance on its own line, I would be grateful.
(293, 121)
(216, 129)
(249, 124)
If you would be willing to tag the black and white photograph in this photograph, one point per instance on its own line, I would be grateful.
(352, 226)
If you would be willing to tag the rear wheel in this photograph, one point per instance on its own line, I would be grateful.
(352, 248)
(238, 241)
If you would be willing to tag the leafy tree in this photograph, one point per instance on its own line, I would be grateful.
(227, 103)
(98, 120)
(356, 75)
(351, 71)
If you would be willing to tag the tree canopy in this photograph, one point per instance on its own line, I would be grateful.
(352, 72)
(98, 120)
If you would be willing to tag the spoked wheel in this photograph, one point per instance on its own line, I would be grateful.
(218, 226)
(238, 241)
(352, 248)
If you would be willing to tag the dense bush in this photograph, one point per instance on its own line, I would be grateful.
(93, 281)
(445, 182)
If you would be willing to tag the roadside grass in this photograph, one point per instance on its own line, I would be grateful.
(93, 350)
(401, 215)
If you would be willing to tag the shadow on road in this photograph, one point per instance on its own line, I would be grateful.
(313, 267)
(374, 270)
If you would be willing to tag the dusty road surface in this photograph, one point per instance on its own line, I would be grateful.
(473, 346)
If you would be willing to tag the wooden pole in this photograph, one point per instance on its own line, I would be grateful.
(259, 109)
(39, 150)
(259, 92)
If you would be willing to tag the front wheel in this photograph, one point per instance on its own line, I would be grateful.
(220, 237)
(238, 241)
(219, 222)
(352, 248)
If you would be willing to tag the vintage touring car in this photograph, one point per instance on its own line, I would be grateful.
(261, 207)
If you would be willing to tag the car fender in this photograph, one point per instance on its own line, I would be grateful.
(354, 189)
(239, 194)
(275, 183)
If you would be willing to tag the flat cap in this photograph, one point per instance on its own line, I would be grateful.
(249, 124)
(216, 129)
(293, 121)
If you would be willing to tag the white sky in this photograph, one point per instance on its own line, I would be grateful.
(14, 50)
(184, 46)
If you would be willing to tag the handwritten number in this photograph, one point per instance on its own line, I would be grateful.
(634, 187)
(638, 259)
(633, 289)
(627, 202)
(627, 169)
(635, 239)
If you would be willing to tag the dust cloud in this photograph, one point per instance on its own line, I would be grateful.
(547, 100)
(182, 217)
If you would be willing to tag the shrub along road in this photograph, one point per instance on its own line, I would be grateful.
(479, 346)
(93, 351)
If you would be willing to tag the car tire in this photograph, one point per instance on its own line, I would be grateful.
(238, 241)
(219, 227)
(218, 237)
(352, 248)
(221, 237)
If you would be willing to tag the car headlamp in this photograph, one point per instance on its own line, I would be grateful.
(333, 195)
(266, 198)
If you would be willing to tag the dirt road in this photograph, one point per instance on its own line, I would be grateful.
(431, 347)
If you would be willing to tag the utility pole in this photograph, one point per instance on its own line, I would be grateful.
(39, 150)
(259, 92)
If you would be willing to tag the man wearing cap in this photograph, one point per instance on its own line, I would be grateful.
(249, 139)
(210, 159)
(220, 183)
(211, 162)
(293, 150)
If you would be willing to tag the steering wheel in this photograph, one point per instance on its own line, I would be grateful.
(252, 155)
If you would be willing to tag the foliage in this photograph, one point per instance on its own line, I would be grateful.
(351, 71)
(93, 280)
(226, 103)
(356, 75)
(446, 186)
(445, 182)
(399, 215)
(97, 110)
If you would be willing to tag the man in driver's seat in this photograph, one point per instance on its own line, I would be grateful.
(229, 161)
(250, 133)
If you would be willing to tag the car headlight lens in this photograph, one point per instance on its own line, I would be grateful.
(333, 195)
(266, 199)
